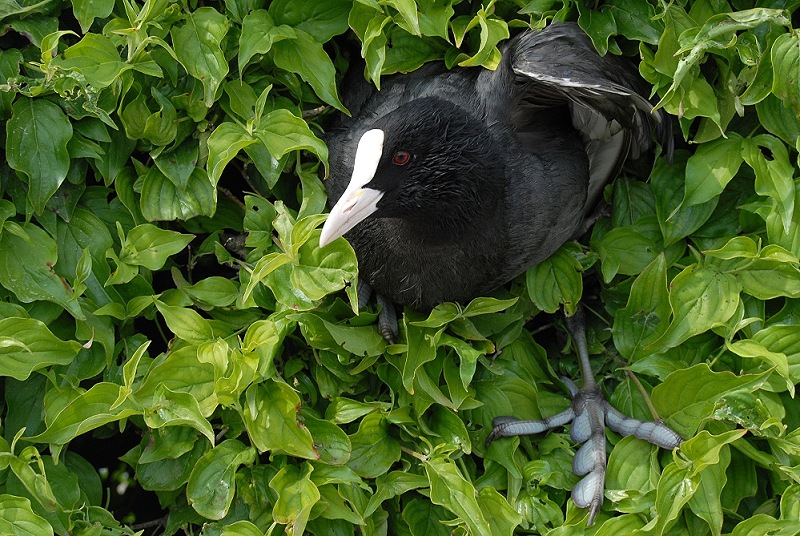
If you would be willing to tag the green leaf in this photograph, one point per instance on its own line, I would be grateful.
(369, 22)
(323, 19)
(306, 57)
(502, 517)
(687, 397)
(783, 339)
(451, 430)
(27, 345)
(214, 291)
(711, 167)
(103, 403)
(330, 441)
(408, 52)
(163, 200)
(212, 484)
(179, 164)
(18, 519)
(701, 298)
(676, 219)
(764, 525)
(636, 20)
(409, 18)
(181, 371)
(147, 245)
(36, 145)
(361, 341)
(625, 251)
(751, 349)
(241, 528)
(421, 349)
(375, 450)
(434, 18)
(598, 25)
(556, 281)
(706, 502)
(297, 494)
(88, 10)
(224, 144)
(391, 485)
(786, 65)
(630, 468)
(776, 117)
(312, 272)
(492, 32)
(675, 488)
(258, 34)
(424, 517)
(704, 449)
(27, 259)
(281, 131)
(96, 58)
(270, 414)
(645, 317)
(177, 409)
(451, 490)
(197, 45)
(773, 173)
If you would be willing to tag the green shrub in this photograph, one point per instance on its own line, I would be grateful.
(177, 354)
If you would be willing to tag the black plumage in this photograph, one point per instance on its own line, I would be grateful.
(504, 166)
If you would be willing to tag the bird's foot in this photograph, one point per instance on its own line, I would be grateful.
(387, 315)
(589, 414)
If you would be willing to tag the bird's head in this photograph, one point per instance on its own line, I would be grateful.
(428, 160)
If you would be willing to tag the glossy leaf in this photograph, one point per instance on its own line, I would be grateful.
(785, 61)
(102, 404)
(688, 396)
(96, 58)
(305, 56)
(711, 167)
(27, 260)
(149, 246)
(624, 251)
(212, 484)
(645, 316)
(198, 48)
(297, 494)
(271, 417)
(18, 519)
(556, 281)
(700, 299)
(36, 145)
(374, 448)
(27, 345)
(177, 409)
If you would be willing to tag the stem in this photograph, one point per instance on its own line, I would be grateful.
(417, 455)
(751, 452)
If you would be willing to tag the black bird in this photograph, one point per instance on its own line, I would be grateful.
(451, 183)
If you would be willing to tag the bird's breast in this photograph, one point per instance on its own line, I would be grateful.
(412, 270)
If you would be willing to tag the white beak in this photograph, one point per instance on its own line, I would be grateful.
(357, 201)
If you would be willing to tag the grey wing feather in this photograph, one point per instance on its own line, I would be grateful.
(605, 95)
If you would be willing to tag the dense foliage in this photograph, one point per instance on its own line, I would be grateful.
(178, 354)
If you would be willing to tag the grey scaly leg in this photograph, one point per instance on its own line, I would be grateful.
(589, 414)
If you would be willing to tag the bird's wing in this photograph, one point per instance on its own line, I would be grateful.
(606, 97)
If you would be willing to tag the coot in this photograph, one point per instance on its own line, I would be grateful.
(449, 184)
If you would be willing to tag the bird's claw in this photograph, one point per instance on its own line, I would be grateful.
(589, 414)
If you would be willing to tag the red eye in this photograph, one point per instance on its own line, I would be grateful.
(401, 158)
